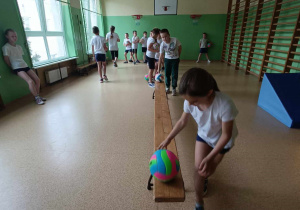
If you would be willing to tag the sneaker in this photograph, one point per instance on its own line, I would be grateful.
(197, 61)
(43, 99)
(130, 61)
(137, 61)
(115, 65)
(199, 208)
(101, 80)
(174, 92)
(39, 101)
(126, 62)
(134, 62)
(205, 187)
(105, 77)
(168, 91)
(208, 61)
(151, 85)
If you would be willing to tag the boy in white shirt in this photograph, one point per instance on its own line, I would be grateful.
(113, 38)
(99, 49)
(13, 57)
(203, 47)
(135, 43)
(127, 44)
(170, 50)
(143, 41)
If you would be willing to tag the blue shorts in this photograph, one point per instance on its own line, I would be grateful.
(16, 71)
(223, 151)
(203, 50)
(100, 57)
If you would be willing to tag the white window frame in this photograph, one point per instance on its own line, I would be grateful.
(89, 22)
(44, 33)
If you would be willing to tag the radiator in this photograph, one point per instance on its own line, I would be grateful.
(56, 74)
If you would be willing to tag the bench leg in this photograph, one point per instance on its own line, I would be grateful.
(153, 96)
(149, 186)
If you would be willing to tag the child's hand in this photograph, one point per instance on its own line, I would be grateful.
(204, 168)
(164, 144)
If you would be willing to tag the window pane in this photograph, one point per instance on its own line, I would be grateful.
(57, 46)
(93, 6)
(30, 15)
(53, 15)
(37, 49)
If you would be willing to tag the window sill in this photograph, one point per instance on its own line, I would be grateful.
(52, 63)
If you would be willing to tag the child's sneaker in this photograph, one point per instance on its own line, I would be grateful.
(137, 61)
(115, 65)
(134, 62)
(151, 85)
(205, 187)
(101, 80)
(126, 62)
(39, 101)
(199, 207)
(168, 91)
(197, 61)
(130, 61)
(105, 77)
(208, 61)
(174, 92)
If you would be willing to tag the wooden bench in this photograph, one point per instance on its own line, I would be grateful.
(84, 69)
(172, 191)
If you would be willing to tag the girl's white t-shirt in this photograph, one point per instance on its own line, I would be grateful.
(113, 42)
(144, 44)
(98, 42)
(150, 54)
(126, 41)
(210, 120)
(159, 41)
(171, 48)
(15, 54)
(135, 45)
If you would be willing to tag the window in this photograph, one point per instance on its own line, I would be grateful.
(42, 20)
(91, 15)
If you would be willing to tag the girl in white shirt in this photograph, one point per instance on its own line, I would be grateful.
(135, 43)
(113, 38)
(143, 41)
(99, 49)
(127, 45)
(215, 114)
(13, 57)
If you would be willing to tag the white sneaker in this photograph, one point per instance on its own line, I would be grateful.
(174, 92)
(39, 101)
(197, 61)
(168, 91)
(208, 61)
(151, 85)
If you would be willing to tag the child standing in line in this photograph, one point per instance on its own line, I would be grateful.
(170, 50)
(99, 49)
(113, 38)
(143, 41)
(127, 44)
(157, 46)
(150, 55)
(135, 43)
(215, 114)
(13, 57)
(203, 48)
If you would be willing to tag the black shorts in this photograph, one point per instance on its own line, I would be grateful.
(144, 49)
(203, 50)
(126, 51)
(134, 50)
(100, 57)
(16, 71)
(114, 54)
(223, 151)
(151, 62)
(156, 60)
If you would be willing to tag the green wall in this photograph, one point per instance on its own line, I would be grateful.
(180, 26)
(11, 86)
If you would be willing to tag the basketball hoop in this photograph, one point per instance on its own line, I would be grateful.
(137, 19)
(165, 8)
(195, 19)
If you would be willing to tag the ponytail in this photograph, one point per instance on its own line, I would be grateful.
(112, 29)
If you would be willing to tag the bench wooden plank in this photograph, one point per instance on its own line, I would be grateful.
(172, 191)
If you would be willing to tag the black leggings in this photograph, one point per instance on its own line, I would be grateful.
(114, 54)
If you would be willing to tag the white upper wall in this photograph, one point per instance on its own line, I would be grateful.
(146, 7)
